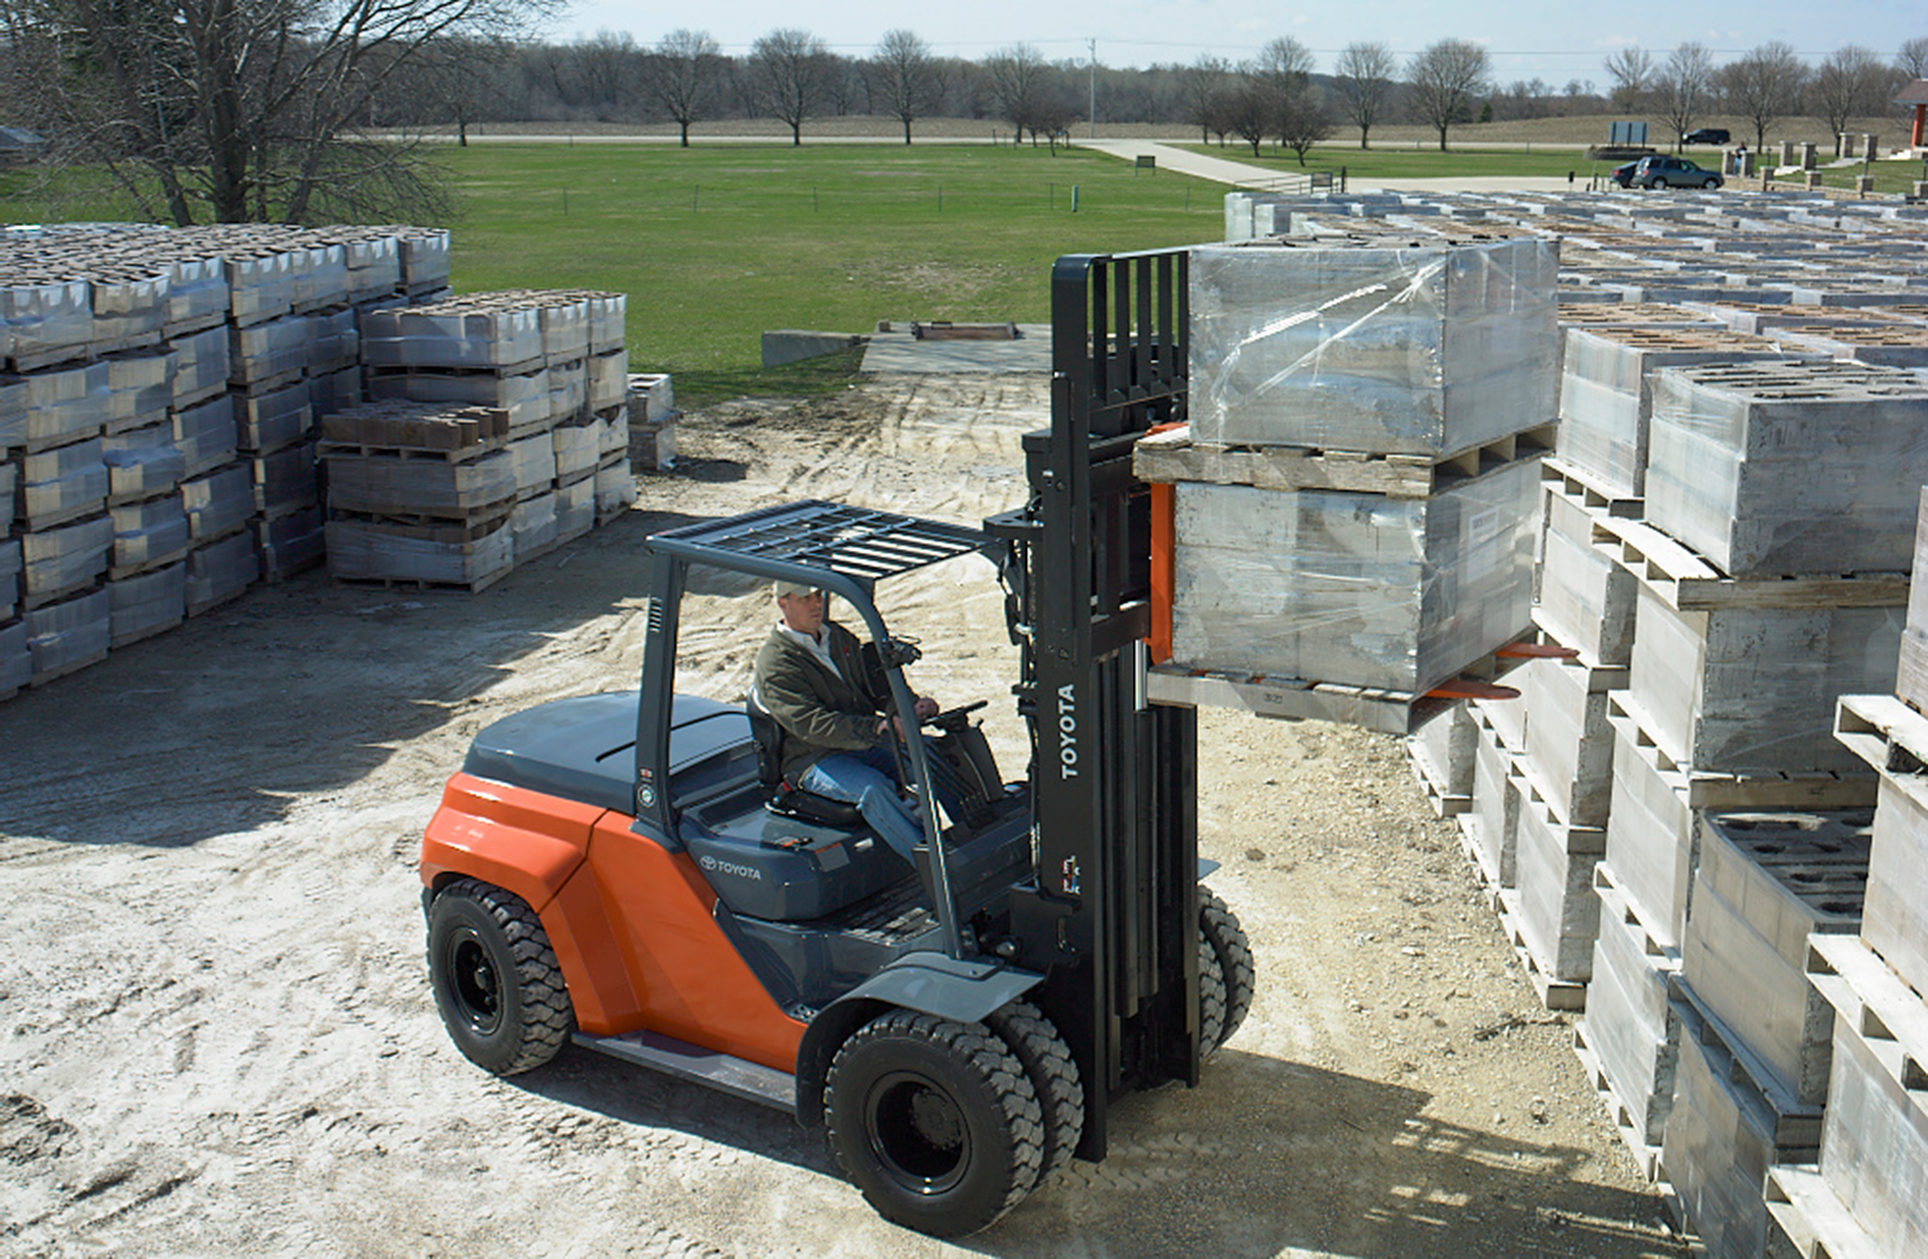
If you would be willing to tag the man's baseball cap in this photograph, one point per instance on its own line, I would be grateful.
(794, 588)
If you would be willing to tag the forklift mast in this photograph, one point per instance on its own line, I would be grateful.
(1113, 916)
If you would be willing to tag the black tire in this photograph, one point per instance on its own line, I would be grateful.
(935, 1121)
(495, 978)
(1211, 997)
(1711, 184)
(1048, 1064)
(1221, 935)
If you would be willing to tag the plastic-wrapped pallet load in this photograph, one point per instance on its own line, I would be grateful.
(1586, 599)
(1425, 350)
(535, 526)
(201, 365)
(65, 558)
(1359, 589)
(148, 533)
(467, 332)
(1606, 399)
(1911, 674)
(11, 564)
(615, 489)
(48, 319)
(289, 543)
(220, 570)
(61, 484)
(1752, 690)
(65, 404)
(144, 604)
(142, 463)
(576, 507)
(453, 554)
(1765, 882)
(68, 635)
(205, 433)
(1796, 468)
(525, 398)
(270, 351)
(219, 502)
(1631, 1028)
(140, 388)
(16, 661)
(268, 421)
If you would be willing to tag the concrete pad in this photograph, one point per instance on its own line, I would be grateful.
(898, 351)
(791, 346)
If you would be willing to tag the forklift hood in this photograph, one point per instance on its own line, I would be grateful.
(584, 749)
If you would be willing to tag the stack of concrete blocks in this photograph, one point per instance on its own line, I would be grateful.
(1752, 1078)
(1416, 355)
(420, 494)
(553, 363)
(652, 421)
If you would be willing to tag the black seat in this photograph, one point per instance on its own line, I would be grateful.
(786, 797)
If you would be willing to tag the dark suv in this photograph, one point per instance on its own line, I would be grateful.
(1707, 135)
(1672, 172)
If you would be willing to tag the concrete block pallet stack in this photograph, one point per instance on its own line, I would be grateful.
(1722, 549)
(551, 372)
(1350, 525)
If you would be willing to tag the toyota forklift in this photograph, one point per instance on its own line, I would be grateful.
(629, 873)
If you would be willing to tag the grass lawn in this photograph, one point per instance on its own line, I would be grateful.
(716, 245)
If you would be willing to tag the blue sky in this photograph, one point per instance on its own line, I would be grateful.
(1527, 38)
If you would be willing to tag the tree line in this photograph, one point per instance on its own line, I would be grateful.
(231, 110)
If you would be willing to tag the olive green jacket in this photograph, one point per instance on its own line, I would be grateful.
(820, 710)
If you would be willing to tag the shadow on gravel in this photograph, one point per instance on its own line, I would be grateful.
(289, 692)
(1263, 1158)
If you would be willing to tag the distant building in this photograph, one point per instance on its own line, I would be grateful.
(1916, 95)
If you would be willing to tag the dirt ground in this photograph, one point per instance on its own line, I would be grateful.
(216, 1035)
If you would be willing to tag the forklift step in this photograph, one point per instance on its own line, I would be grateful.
(736, 1076)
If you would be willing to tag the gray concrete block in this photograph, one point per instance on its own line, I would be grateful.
(792, 346)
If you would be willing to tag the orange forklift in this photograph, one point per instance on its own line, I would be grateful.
(627, 871)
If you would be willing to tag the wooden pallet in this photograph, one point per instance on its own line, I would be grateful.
(1812, 1218)
(1555, 994)
(1172, 456)
(1587, 492)
(1817, 789)
(188, 327)
(1687, 583)
(1796, 1133)
(412, 585)
(1883, 731)
(72, 666)
(1890, 1017)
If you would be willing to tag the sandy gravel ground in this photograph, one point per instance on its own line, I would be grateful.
(216, 1036)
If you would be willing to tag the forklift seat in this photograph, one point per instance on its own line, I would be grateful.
(787, 798)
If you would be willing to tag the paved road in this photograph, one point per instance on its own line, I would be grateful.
(1225, 171)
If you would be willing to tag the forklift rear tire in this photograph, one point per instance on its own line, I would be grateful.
(935, 1121)
(496, 981)
(1222, 941)
(1054, 1075)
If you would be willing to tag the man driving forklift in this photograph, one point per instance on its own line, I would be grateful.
(837, 740)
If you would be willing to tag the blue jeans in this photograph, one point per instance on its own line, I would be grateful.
(868, 779)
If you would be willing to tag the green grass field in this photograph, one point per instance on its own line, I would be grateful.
(715, 245)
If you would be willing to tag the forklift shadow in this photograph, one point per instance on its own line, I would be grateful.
(1264, 1158)
(1268, 1157)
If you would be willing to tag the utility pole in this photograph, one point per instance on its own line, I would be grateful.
(1091, 112)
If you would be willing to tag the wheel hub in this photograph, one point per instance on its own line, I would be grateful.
(476, 984)
(917, 1132)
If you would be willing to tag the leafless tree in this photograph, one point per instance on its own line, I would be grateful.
(231, 110)
(1445, 78)
(1763, 86)
(905, 77)
(1303, 121)
(681, 75)
(1249, 108)
(1853, 82)
(1365, 85)
(1202, 88)
(1633, 72)
(1683, 87)
(788, 68)
(1017, 76)
(1912, 58)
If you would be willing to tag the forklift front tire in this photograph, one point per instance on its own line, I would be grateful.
(495, 977)
(1222, 941)
(935, 1121)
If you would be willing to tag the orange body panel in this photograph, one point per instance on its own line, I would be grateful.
(689, 980)
(521, 840)
(1164, 544)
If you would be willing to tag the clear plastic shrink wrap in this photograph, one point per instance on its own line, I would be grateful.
(1357, 589)
(1428, 350)
(1773, 469)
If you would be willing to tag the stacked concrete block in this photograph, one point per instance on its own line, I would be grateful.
(1768, 470)
(652, 421)
(1443, 751)
(615, 485)
(419, 495)
(1586, 598)
(1553, 912)
(1490, 828)
(1427, 349)
(1765, 882)
(1630, 1038)
(1606, 397)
